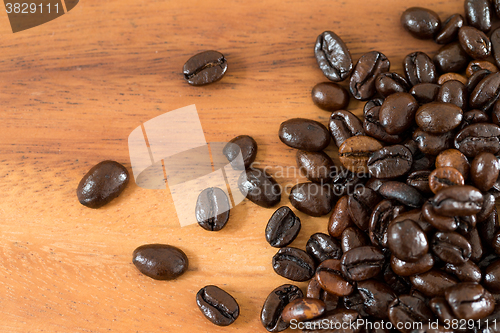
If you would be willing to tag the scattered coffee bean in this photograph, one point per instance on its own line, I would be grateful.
(330, 96)
(260, 187)
(212, 209)
(312, 199)
(318, 166)
(343, 125)
(282, 228)
(160, 261)
(217, 305)
(333, 56)
(205, 68)
(244, 144)
(304, 134)
(272, 309)
(293, 264)
(422, 23)
(362, 83)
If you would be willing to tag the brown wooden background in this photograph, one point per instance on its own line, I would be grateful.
(73, 89)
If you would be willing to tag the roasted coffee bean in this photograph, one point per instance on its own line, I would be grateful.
(407, 240)
(484, 171)
(362, 83)
(478, 65)
(488, 228)
(454, 92)
(375, 183)
(420, 181)
(282, 228)
(380, 218)
(432, 283)
(312, 199)
(495, 114)
(478, 14)
(303, 309)
(293, 264)
(270, 315)
(322, 247)
(345, 182)
(205, 68)
(433, 144)
(401, 192)
(474, 42)
(343, 125)
(492, 318)
(340, 218)
(318, 166)
(408, 309)
(495, 45)
(457, 201)
(314, 290)
(406, 268)
(353, 237)
(444, 177)
(443, 223)
(160, 261)
(451, 58)
(212, 209)
(373, 128)
(260, 187)
(102, 183)
(373, 103)
(390, 162)
(438, 117)
(334, 318)
(377, 297)
(469, 300)
(441, 309)
(449, 31)
(330, 278)
(244, 144)
(492, 277)
(333, 56)
(474, 117)
(361, 204)
(451, 247)
(425, 92)
(455, 159)
(390, 83)
(475, 79)
(466, 272)
(217, 305)
(419, 68)
(355, 152)
(486, 92)
(420, 22)
(304, 134)
(416, 216)
(330, 96)
(477, 138)
(452, 77)
(488, 207)
(398, 112)
(362, 263)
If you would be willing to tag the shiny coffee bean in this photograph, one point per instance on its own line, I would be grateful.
(373, 103)
(457, 201)
(102, 183)
(270, 315)
(443, 223)
(478, 65)
(419, 68)
(438, 117)
(409, 309)
(333, 56)
(361, 204)
(260, 187)
(212, 209)
(454, 92)
(466, 272)
(373, 128)
(420, 181)
(353, 237)
(377, 297)
(244, 144)
(452, 76)
(425, 92)
(475, 78)
(390, 83)
(217, 305)
(474, 42)
(433, 144)
(492, 277)
(495, 114)
(345, 182)
(380, 219)
(362, 83)
(488, 207)
(474, 117)
(343, 125)
(339, 219)
(355, 152)
(330, 96)
(312, 199)
(406, 268)
(303, 309)
(478, 14)
(282, 228)
(469, 300)
(407, 240)
(432, 283)
(449, 30)
(416, 216)
(444, 177)
(314, 290)
(455, 159)
(420, 22)
(397, 113)
(488, 228)
(205, 68)
(362, 263)
(486, 92)
(402, 193)
(334, 318)
(477, 138)
(160, 261)
(441, 309)
(485, 169)
(293, 264)
(451, 247)
(318, 166)
(322, 247)
(304, 134)
(331, 279)
(451, 58)
(390, 162)
(495, 45)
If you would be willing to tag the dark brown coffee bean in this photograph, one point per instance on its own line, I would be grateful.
(398, 112)
(303, 309)
(486, 92)
(314, 290)
(318, 166)
(451, 247)
(477, 138)
(260, 187)
(433, 144)
(484, 171)
(441, 309)
(390, 83)
(355, 152)
(432, 283)
(333, 56)
(380, 218)
(390, 162)
(457, 201)
(362, 263)
(406, 268)
(454, 92)
(102, 183)
(474, 42)
(312, 199)
(353, 237)
(160, 261)
(492, 277)
(420, 181)
(270, 315)
(282, 228)
(212, 209)
(478, 65)
(416, 216)
(488, 207)
(495, 114)
(455, 159)
(322, 247)
(361, 204)
(362, 83)
(330, 278)
(488, 228)
(420, 22)
(444, 177)
(217, 305)
(330, 96)
(373, 128)
(466, 272)
(406, 240)
(334, 318)
(345, 182)
(304, 134)
(443, 223)
(469, 300)
(449, 31)
(475, 78)
(452, 77)
(495, 45)
(438, 117)
(343, 125)
(401, 192)
(451, 58)
(205, 68)
(425, 92)
(419, 68)
(340, 218)
(478, 14)
(244, 144)
(293, 264)
(377, 297)
(408, 309)
(474, 117)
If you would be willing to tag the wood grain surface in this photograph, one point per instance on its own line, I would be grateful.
(71, 92)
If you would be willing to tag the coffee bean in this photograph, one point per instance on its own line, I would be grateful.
(304, 134)
(416, 216)
(361, 203)
(407, 240)
(406, 268)
(438, 117)
(452, 77)
(330, 96)
(485, 169)
(475, 78)
(345, 182)
(425, 92)
(217, 305)
(260, 187)
(495, 45)
(433, 144)
(477, 138)
(355, 302)
(401, 192)
(455, 159)
(443, 223)
(457, 201)
(390, 162)
(474, 42)
(339, 219)
(420, 22)
(390, 83)
(244, 144)
(318, 166)
(334, 318)
(312, 199)
(451, 247)
(380, 218)
(303, 309)
(212, 209)
(420, 181)
(466, 272)
(474, 117)
(355, 152)
(454, 92)
(330, 278)
(451, 58)
(369, 65)
(478, 14)
(102, 183)
(293, 264)
(486, 92)
(353, 237)
(377, 297)
(362, 263)
(205, 68)
(373, 128)
(282, 228)
(419, 68)
(449, 31)
(488, 207)
(314, 290)
(333, 56)
(322, 247)
(441, 309)
(432, 283)
(398, 112)
(160, 261)
(492, 277)
(479, 65)
(409, 309)
(343, 125)
(444, 177)
(487, 230)
(469, 300)
(270, 315)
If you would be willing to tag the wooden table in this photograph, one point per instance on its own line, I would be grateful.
(71, 92)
